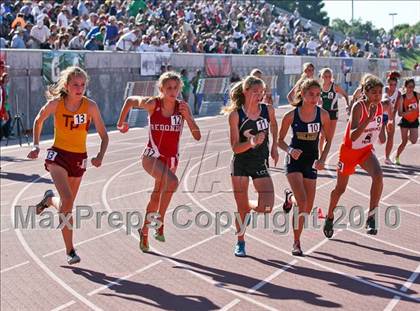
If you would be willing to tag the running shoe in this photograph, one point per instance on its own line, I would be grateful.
(159, 235)
(144, 242)
(297, 251)
(329, 227)
(397, 160)
(388, 161)
(288, 204)
(44, 202)
(371, 226)
(72, 257)
(240, 249)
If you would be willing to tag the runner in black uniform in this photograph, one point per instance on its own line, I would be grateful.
(249, 122)
(254, 161)
(306, 120)
(329, 99)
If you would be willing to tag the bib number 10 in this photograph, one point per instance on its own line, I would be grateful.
(314, 127)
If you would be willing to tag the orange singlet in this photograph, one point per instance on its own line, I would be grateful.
(71, 128)
(411, 104)
(353, 153)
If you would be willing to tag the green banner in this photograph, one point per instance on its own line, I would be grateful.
(53, 62)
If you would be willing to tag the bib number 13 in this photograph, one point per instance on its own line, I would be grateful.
(80, 118)
(51, 154)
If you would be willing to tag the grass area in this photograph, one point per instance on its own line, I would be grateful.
(409, 58)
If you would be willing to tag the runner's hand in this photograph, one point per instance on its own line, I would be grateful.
(295, 153)
(123, 128)
(259, 138)
(96, 161)
(275, 155)
(33, 154)
(372, 111)
(319, 165)
(184, 110)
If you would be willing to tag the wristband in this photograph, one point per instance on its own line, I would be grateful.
(252, 141)
(290, 149)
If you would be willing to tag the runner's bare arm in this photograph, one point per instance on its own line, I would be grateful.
(284, 128)
(326, 124)
(47, 110)
(100, 127)
(185, 111)
(274, 132)
(139, 102)
(237, 146)
(357, 128)
(340, 91)
(291, 95)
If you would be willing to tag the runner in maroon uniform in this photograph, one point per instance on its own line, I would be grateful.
(160, 157)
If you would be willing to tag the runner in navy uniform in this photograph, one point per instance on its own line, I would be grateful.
(249, 122)
(306, 120)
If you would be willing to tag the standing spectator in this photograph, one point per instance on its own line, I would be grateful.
(111, 36)
(308, 26)
(84, 23)
(128, 41)
(82, 9)
(78, 41)
(5, 106)
(289, 47)
(312, 47)
(194, 84)
(186, 89)
(62, 18)
(39, 35)
(17, 40)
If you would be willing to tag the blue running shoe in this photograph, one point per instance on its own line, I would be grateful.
(240, 249)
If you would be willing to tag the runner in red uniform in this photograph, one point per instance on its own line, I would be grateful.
(408, 109)
(362, 132)
(160, 157)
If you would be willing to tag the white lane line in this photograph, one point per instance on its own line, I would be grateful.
(38, 261)
(410, 281)
(230, 305)
(15, 266)
(82, 242)
(64, 306)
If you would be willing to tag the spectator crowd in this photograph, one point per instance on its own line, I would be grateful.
(200, 26)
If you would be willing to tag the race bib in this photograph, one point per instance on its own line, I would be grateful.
(149, 152)
(83, 164)
(176, 120)
(314, 127)
(80, 118)
(51, 154)
(262, 125)
(340, 166)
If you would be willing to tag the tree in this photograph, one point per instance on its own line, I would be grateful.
(356, 29)
(310, 9)
(405, 31)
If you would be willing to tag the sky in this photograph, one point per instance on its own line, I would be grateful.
(375, 11)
